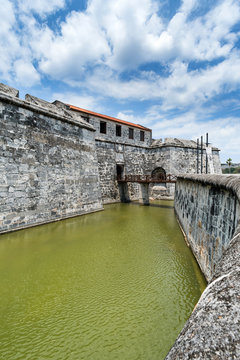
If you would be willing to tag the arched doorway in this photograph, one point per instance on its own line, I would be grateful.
(159, 174)
(159, 187)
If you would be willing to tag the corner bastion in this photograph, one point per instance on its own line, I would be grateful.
(208, 208)
(48, 163)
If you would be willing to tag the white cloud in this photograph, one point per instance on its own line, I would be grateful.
(41, 7)
(189, 126)
(18, 27)
(95, 46)
(95, 49)
(206, 37)
(182, 88)
(83, 101)
(9, 42)
(188, 5)
(16, 59)
(25, 73)
(127, 26)
(80, 43)
(124, 35)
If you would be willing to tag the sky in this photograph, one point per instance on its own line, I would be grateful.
(170, 65)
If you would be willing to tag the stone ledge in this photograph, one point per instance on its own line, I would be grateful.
(64, 217)
(228, 182)
(44, 110)
(121, 143)
(8, 90)
(175, 142)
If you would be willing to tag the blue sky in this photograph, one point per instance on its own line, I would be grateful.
(171, 65)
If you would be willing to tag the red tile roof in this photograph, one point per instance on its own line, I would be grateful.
(75, 108)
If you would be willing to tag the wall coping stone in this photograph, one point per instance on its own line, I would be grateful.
(44, 108)
(9, 90)
(163, 145)
(212, 331)
(228, 182)
(121, 143)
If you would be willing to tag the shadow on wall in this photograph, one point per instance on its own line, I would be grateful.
(159, 174)
(120, 171)
(124, 193)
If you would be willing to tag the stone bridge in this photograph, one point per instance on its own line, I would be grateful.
(144, 181)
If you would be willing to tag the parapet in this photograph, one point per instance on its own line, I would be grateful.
(40, 106)
(8, 90)
(174, 142)
(228, 182)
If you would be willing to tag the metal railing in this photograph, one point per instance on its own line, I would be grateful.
(147, 179)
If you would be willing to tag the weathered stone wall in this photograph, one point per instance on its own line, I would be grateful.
(216, 162)
(48, 163)
(177, 157)
(138, 160)
(208, 208)
(183, 159)
(208, 213)
(135, 156)
(133, 159)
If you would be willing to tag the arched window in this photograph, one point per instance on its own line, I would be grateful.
(159, 174)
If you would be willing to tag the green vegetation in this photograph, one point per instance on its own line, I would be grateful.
(232, 170)
(229, 162)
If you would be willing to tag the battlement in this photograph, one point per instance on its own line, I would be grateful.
(11, 96)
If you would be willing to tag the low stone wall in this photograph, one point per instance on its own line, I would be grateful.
(208, 208)
(48, 163)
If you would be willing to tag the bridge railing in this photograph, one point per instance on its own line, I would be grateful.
(147, 178)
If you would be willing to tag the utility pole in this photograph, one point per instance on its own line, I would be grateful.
(201, 154)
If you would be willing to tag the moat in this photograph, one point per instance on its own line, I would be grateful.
(116, 284)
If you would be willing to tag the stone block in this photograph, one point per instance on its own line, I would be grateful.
(8, 90)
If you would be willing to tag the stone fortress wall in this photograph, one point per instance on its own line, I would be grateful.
(138, 157)
(48, 163)
(133, 160)
(118, 149)
(208, 208)
(58, 160)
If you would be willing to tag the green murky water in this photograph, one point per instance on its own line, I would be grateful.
(117, 284)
